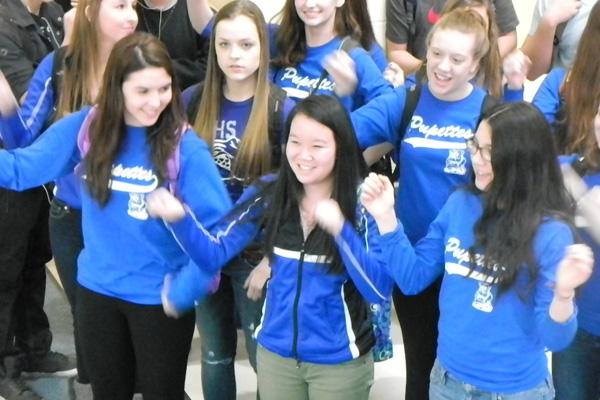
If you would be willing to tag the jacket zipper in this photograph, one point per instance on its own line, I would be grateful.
(295, 309)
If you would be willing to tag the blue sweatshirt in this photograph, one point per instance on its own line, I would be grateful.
(309, 314)
(588, 314)
(126, 254)
(547, 98)
(494, 342)
(433, 154)
(22, 128)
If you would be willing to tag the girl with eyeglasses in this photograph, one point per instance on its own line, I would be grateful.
(504, 250)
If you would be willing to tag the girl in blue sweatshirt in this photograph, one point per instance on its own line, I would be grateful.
(315, 335)
(240, 114)
(503, 249)
(134, 140)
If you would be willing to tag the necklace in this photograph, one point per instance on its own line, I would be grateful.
(169, 9)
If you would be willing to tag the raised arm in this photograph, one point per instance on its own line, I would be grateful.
(200, 14)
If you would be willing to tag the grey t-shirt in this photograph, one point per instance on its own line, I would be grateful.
(569, 39)
(401, 28)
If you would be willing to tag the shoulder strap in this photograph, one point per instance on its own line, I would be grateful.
(57, 67)
(83, 136)
(276, 122)
(410, 104)
(174, 161)
(192, 107)
(488, 102)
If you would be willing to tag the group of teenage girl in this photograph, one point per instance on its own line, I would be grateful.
(248, 199)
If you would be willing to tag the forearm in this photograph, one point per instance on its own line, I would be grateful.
(200, 14)
(507, 43)
(405, 60)
(538, 48)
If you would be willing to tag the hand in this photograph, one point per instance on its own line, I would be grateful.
(168, 307)
(329, 216)
(341, 68)
(377, 195)
(8, 102)
(257, 279)
(562, 10)
(162, 204)
(573, 271)
(516, 67)
(573, 182)
(394, 74)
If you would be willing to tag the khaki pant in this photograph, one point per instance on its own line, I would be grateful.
(283, 378)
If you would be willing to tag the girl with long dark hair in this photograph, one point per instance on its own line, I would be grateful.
(133, 140)
(315, 335)
(504, 250)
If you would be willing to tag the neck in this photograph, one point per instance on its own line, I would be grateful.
(160, 4)
(33, 6)
(239, 90)
(320, 35)
(316, 192)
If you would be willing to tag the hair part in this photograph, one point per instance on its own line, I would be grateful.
(490, 71)
(348, 172)
(291, 36)
(107, 131)
(527, 189)
(254, 157)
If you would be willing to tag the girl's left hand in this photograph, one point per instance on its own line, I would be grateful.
(329, 216)
(162, 204)
(341, 68)
(168, 307)
(516, 66)
(574, 270)
(394, 74)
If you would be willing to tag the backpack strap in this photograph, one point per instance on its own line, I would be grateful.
(174, 161)
(194, 104)
(83, 138)
(277, 97)
(488, 102)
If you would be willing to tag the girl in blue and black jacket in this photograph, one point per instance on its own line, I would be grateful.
(137, 139)
(503, 249)
(316, 315)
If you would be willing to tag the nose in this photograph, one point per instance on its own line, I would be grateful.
(309, 3)
(154, 99)
(132, 16)
(444, 64)
(234, 52)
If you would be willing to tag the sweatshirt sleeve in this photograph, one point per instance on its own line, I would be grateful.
(549, 248)
(378, 121)
(54, 155)
(371, 82)
(362, 257)
(547, 98)
(23, 127)
(212, 248)
(414, 269)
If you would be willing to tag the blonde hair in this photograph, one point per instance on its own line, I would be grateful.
(81, 60)
(254, 155)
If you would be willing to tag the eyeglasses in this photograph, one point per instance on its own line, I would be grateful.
(484, 151)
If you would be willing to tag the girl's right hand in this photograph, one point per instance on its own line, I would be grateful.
(394, 74)
(162, 204)
(257, 279)
(574, 270)
(168, 307)
(8, 102)
(377, 196)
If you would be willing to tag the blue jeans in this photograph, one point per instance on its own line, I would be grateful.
(216, 321)
(576, 370)
(66, 239)
(443, 386)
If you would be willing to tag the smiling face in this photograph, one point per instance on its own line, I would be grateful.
(146, 93)
(317, 13)
(237, 46)
(451, 64)
(481, 156)
(115, 20)
(311, 151)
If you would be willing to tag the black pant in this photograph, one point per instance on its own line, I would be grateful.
(418, 316)
(24, 251)
(123, 341)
